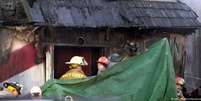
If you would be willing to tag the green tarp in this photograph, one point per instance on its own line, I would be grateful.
(147, 77)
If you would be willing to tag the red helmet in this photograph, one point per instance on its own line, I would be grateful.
(103, 60)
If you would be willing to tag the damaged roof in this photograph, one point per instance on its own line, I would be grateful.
(11, 11)
(110, 13)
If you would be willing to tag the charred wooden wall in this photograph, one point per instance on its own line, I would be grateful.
(129, 41)
(81, 37)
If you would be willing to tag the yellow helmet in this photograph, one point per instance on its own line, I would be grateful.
(78, 60)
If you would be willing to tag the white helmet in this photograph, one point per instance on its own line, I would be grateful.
(77, 60)
(36, 89)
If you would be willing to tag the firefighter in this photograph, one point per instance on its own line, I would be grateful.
(12, 89)
(179, 85)
(76, 63)
(102, 64)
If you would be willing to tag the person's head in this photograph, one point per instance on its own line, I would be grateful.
(179, 82)
(77, 62)
(114, 59)
(102, 63)
(36, 92)
(68, 98)
(13, 87)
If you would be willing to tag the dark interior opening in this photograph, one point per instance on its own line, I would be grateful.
(63, 54)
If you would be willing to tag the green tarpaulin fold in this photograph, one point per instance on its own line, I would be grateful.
(147, 77)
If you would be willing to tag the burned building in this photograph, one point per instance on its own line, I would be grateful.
(92, 28)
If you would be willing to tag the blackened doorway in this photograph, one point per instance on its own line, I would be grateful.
(64, 53)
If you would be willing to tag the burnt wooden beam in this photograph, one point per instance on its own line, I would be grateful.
(27, 9)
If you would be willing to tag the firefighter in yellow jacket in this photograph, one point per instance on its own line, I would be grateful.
(75, 66)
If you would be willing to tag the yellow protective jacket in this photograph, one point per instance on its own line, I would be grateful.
(73, 74)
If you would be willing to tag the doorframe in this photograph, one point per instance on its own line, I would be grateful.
(52, 56)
